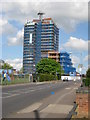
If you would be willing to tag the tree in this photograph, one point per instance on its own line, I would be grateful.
(6, 66)
(49, 66)
(88, 73)
(21, 70)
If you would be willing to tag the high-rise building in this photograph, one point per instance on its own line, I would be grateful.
(40, 36)
(32, 46)
(49, 38)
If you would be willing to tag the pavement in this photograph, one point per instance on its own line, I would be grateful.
(47, 100)
(30, 83)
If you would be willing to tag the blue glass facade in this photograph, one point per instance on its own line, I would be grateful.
(32, 46)
(39, 38)
(49, 38)
(66, 63)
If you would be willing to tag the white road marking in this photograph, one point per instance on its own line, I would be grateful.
(10, 96)
(57, 108)
(30, 108)
(6, 93)
(28, 91)
(58, 100)
(75, 83)
(75, 88)
(25, 90)
(20, 92)
(68, 88)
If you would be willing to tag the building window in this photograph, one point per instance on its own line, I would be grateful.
(30, 38)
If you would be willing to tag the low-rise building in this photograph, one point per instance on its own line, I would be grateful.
(65, 61)
(54, 55)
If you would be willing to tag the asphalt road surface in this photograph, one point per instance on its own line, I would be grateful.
(48, 100)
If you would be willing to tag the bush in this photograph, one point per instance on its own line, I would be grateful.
(88, 73)
(46, 77)
(86, 82)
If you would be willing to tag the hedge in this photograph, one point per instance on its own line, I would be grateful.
(46, 77)
(86, 81)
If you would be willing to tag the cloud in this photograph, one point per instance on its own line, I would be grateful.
(18, 40)
(76, 44)
(6, 28)
(66, 15)
(75, 59)
(3, 22)
(16, 63)
(85, 68)
(87, 58)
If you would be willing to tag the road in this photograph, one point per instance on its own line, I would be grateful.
(48, 100)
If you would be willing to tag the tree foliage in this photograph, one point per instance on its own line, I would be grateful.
(6, 66)
(88, 73)
(48, 66)
(21, 70)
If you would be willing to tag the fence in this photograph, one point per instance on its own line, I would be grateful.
(14, 79)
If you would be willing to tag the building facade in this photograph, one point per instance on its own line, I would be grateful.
(49, 37)
(66, 63)
(54, 55)
(40, 36)
(31, 46)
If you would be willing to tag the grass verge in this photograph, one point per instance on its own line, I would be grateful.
(16, 81)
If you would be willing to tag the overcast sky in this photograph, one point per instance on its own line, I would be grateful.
(70, 17)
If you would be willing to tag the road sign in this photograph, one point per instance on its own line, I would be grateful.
(80, 65)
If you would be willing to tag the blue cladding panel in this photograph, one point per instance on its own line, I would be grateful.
(66, 63)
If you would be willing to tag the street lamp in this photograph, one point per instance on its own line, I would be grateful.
(56, 74)
(34, 73)
(80, 69)
(80, 66)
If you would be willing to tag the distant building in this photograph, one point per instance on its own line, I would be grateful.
(66, 63)
(1, 63)
(40, 36)
(54, 55)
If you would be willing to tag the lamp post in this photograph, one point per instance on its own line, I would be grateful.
(36, 75)
(80, 69)
(80, 66)
(56, 74)
(1, 64)
(34, 71)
